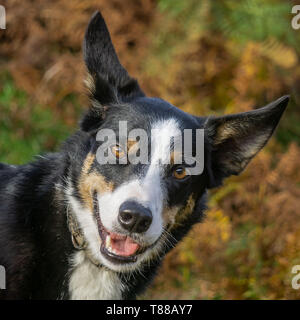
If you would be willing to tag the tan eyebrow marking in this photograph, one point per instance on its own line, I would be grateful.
(175, 157)
(92, 181)
(132, 146)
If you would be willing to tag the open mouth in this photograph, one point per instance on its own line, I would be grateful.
(117, 248)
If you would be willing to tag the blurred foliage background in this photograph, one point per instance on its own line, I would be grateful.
(206, 57)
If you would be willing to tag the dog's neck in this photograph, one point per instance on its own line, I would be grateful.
(91, 282)
(89, 279)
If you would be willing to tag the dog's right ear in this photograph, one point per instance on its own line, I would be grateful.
(108, 81)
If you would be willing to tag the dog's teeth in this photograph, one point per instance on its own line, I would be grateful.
(108, 245)
(108, 242)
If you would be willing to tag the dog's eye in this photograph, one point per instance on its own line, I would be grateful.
(180, 173)
(118, 151)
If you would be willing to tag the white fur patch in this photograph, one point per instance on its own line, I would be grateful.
(88, 282)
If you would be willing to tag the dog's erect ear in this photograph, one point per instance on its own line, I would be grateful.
(235, 139)
(109, 82)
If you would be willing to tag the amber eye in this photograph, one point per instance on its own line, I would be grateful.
(180, 173)
(118, 151)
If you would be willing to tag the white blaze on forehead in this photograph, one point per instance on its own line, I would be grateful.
(148, 190)
(161, 134)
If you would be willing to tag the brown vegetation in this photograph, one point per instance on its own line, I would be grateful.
(250, 239)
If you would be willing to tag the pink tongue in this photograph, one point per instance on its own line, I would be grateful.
(124, 247)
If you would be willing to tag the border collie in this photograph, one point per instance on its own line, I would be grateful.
(73, 227)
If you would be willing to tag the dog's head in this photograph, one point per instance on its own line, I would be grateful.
(135, 206)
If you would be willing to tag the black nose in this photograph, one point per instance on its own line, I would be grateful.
(134, 217)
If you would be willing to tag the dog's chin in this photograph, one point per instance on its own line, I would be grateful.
(120, 252)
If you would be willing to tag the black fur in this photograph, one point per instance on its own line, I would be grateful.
(35, 243)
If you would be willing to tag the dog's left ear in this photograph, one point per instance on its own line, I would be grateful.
(108, 81)
(235, 139)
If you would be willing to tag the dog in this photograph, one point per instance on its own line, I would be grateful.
(72, 227)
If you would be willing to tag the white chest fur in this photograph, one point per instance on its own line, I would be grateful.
(88, 282)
